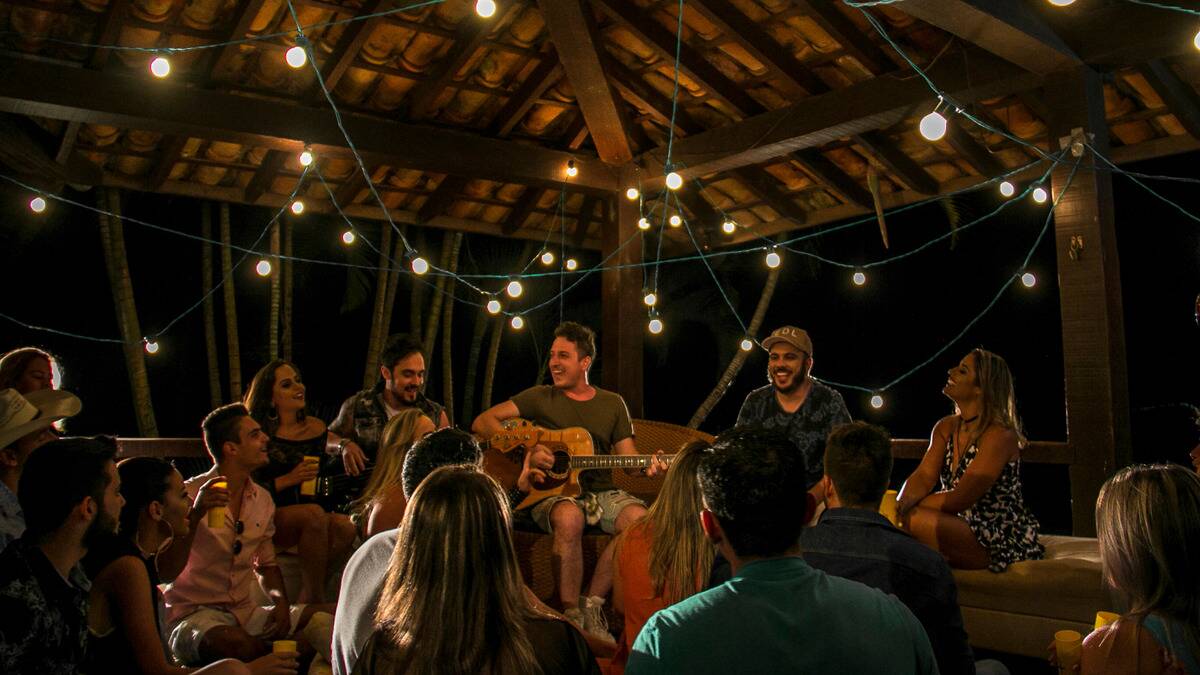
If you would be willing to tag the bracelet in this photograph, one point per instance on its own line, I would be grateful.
(341, 445)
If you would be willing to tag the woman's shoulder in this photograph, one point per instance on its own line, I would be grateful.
(310, 431)
(120, 572)
(1123, 647)
(945, 426)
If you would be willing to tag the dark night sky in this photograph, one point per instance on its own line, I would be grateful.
(53, 275)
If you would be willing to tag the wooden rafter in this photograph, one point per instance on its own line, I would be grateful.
(642, 95)
(972, 150)
(704, 215)
(441, 198)
(827, 15)
(110, 29)
(170, 149)
(265, 176)
(240, 26)
(544, 75)
(468, 38)
(830, 177)
(67, 145)
(583, 220)
(1180, 97)
(347, 48)
(521, 210)
(883, 150)
(767, 187)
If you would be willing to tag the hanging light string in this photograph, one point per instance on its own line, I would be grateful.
(716, 281)
(675, 92)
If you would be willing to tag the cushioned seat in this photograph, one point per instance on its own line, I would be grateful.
(1019, 610)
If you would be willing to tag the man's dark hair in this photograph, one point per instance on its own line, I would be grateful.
(581, 336)
(221, 427)
(753, 480)
(59, 475)
(398, 347)
(441, 448)
(858, 458)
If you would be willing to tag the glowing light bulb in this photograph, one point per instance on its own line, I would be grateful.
(297, 207)
(773, 260)
(859, 278)
(572, 264)
(485, 8)
(643, 224)
(655, 326)
(572, 170)
(263, 268)
(1028, 279)
(514, 289)
(420, 265)
(160, 67)
(747, 344)
(728, 227)
(306, 157)
(674, 181)
(1061, 3)
(517, 323)
(296, 57)
(1196, 40)
(632, 194)
(547, 258)
(651, 299)
(37, 204)
(493, 306)
(933, 126)
(151, 346)
(1007, 189)
(1040, 195)
(877, 401)
(348, 237)
(675, 220)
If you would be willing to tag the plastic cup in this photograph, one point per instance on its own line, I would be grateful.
(1105, 618)
(284, 647)
(309, 487)
(887, 507)
(1068, 645)
(216, 515)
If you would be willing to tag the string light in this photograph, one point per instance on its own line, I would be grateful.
(306, 157)
(674, 181)
(1028, 279)
(747, 344)
(650, 299)
(655, 326)
(348, 237)
(151, 346)
(160, 67)
(859, 278)
(1196, 40)
(728, 227)
(1007, 189)
(1061, 3)
(297, 207)
(517, 322)
(514, 289)
(296, 57)
(263, 268)
(485, 8)
(933, 126)
(420, 265)
(675, 220)
(643, 224)
(632, 194)
(572, 170)
(572, 264)
(876, 401)
(773, 259)
(493, 306)
(1040, 195)
(37, 204)
(548, 258)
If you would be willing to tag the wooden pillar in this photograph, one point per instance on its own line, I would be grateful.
(1097, 385)
(622, 311)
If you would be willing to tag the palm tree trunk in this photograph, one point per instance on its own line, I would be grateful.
(489, 371)
(393, 283)
(231, 322)
(739, 358)
(448, 334)
(276, 294)
(435, 305)
(378, 329)
(112, 234)
(481, 326)
(210, 323)
(289, 268)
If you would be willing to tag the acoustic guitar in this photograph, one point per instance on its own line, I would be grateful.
(573, 453)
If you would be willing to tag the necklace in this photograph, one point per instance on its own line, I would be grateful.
(968, 420)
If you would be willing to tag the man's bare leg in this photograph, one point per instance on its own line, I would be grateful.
(602, 577)
(231, 642)
(566, 519)
(306, 526)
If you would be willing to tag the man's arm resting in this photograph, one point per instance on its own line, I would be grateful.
(490, 421)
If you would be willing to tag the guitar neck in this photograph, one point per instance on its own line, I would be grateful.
(616, 461)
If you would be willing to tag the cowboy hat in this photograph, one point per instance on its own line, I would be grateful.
(37, 410)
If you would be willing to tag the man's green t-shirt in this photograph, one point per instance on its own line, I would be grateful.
(605, 416)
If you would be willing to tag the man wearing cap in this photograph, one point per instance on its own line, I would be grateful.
(25, 424)
(794, 403)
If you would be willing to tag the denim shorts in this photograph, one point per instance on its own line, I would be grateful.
(599, 508)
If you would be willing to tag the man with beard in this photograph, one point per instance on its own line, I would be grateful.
(70, 493)
(401, 386)
(802, 408)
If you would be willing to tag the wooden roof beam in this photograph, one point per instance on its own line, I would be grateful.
(471, 34)
(767, 187)
(347, 48)
(897, 163)
(67, 145)
(584, 219)
(573, 31)
(441, 198)
(1180, 97)
(520, 210)
(979, 157)
(171, 148)
(542, 78)
(219, 58)
(265, 176)
(831, 177)
(827, 15)
(704, 214)
(1009, 29)
(110, 30)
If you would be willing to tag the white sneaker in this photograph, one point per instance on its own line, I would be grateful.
(595, 623)
(575, 616)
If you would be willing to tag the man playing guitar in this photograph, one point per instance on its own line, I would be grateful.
(573, 402)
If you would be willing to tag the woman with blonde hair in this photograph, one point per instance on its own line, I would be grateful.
(664, 557)
(977, 516)
(1148, 524)
(381, 506)
(453, 601)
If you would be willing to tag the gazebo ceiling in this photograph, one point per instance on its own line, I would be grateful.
(468, 123)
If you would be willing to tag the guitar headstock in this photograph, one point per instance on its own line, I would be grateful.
(516, 433)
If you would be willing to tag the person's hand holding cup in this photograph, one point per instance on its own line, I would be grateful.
(213, 497)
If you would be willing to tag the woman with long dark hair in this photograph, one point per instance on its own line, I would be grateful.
(28, 369)
(965, 497)
(453, 601)
(276, 400)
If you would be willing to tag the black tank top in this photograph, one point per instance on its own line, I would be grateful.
(113, 652)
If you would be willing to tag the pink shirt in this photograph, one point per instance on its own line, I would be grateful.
(214, 576)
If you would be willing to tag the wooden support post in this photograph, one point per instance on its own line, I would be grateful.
(624, 319)
(1090, 286)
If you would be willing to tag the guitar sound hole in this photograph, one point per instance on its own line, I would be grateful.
(562, 465)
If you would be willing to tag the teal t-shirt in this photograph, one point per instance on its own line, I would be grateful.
(782, 616)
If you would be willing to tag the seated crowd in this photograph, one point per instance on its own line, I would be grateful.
(772, 549)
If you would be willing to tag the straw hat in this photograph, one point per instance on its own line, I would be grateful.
(37, 410)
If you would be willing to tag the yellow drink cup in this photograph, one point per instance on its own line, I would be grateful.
(1068, 645)
(887, 507)
(309, 487)
(1105, 618)
(283, 647)
(216, 515)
